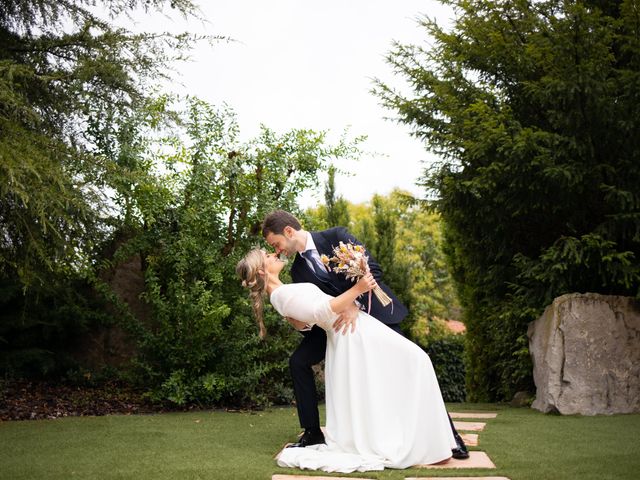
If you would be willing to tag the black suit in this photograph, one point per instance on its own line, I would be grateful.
(312, 348)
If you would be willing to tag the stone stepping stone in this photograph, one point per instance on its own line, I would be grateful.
(310, 477)
(470, 439)
(456, 478)
(469, 426)
(476, 460)
(472, 415)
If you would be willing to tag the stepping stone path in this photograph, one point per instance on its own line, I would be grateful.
(477, 459)
(472, 415)
(470, 439)
(469, 426)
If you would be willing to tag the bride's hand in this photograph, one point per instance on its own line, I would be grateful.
(367, 282)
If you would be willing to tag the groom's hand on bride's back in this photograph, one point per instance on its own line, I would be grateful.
(347, 320)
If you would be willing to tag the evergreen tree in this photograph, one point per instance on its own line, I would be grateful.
(337, 210)
(69, 82)
(73, 95)
(533, 109)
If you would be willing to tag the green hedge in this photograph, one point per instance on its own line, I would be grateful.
(447, 356)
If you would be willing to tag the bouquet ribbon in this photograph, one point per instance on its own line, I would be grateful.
(382, 296)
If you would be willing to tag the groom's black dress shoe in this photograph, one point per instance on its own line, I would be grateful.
(460, 452)
(309, 437)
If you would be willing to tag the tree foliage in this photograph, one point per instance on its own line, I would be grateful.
(96, 172)
(532, 107)
(406, 240)
(199, 212)
(337, 207)
(71, 89)
(68, 79)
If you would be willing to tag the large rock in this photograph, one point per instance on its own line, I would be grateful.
(586, 355)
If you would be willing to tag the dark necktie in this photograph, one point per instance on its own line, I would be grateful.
(320, 272)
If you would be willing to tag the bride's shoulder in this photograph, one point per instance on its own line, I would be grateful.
(285, 292)
(293, 287)
(284, 288)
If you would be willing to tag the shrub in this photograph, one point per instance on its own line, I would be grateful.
(447, 356)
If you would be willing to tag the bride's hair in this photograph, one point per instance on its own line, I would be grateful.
(248, 269)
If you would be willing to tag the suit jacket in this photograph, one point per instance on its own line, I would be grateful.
(325, 241)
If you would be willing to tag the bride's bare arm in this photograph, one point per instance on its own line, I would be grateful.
(344, 301)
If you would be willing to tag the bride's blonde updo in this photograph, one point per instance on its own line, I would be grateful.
(248, 269)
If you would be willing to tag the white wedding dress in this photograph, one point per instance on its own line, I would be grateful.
(384, 408)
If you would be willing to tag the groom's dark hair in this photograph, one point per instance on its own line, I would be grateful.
(277, 221)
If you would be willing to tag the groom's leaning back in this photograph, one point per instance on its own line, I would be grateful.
(285, 234)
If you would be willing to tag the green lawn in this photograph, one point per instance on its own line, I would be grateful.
(523, 444)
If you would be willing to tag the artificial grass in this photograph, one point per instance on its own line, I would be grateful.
(523, 444)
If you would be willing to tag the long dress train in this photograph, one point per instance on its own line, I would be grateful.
(384, 408)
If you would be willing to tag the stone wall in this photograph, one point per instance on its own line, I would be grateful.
(586, 355)
(110, 345)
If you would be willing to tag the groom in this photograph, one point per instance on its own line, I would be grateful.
(284, 233)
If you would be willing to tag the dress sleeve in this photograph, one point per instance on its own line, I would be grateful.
(304, 302)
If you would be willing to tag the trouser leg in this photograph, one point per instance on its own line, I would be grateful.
(453, 428)
(310, 352)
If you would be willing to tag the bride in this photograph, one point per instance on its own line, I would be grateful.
(384, 408)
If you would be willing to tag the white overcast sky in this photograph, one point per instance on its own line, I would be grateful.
(304, 64)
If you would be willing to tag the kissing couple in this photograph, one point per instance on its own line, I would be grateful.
(384, 408)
